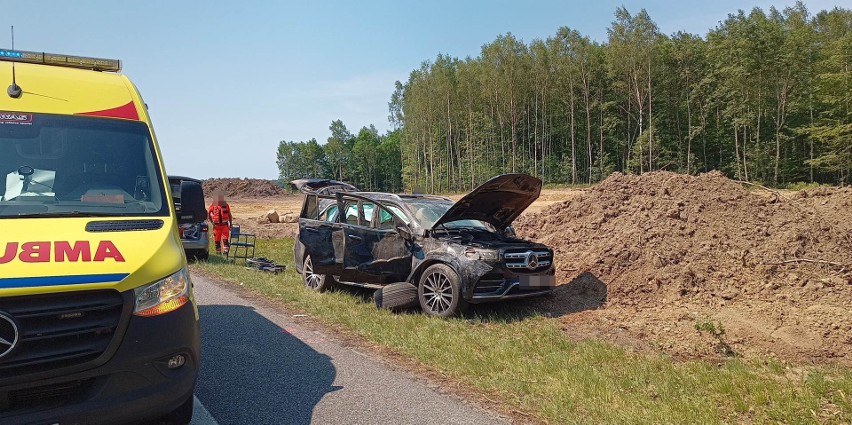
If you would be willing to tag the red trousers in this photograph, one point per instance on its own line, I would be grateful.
(221, 233)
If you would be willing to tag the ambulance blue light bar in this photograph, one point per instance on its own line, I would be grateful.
(82, 62)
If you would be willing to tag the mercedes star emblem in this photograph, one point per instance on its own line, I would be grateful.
(532, 260)
(8, 335)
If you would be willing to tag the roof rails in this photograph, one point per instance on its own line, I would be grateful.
(82, 62)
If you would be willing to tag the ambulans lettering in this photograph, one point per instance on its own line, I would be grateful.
(9, 253)
(35, 252)
(62, 251)
(106, 249)
(80, 251)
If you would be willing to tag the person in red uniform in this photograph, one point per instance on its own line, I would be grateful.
(220, 216)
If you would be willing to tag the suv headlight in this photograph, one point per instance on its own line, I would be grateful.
(163, 296)
(481, 254)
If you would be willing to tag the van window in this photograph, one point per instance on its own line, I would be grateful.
(52, 165)
(175, 187)
(310, 209)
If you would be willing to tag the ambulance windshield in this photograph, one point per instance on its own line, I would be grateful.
(53, 166)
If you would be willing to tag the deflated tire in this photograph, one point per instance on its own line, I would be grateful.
(397, 296)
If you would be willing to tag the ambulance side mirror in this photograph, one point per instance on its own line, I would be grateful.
(192, 208)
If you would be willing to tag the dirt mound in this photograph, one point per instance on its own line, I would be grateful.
(833, 206)
(268, 230)
(244, 188)
(248, 210)
(684, 257)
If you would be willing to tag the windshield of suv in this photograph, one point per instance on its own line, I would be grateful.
(427, 212)
(56, 166)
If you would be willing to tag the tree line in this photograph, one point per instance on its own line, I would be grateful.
(764, 96)
(368, 160)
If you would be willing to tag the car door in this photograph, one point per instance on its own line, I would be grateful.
(318, 229)
(356, 241)
(373, 251)
(391, 252)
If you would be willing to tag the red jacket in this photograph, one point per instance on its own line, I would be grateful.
(219, 214)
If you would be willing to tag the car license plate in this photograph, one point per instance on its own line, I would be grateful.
(538, 281)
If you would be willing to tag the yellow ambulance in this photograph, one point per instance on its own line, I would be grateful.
(97, 319)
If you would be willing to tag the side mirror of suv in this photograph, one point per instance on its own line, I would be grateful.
(192, 208)
(403, 231)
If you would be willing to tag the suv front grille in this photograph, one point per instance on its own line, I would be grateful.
(60, 330)
(519, 260)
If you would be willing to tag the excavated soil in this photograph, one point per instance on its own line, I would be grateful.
(702, 267)
(251, 198)
(243, 188)
(248, 214)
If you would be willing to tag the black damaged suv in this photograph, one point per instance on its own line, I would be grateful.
(454, 253)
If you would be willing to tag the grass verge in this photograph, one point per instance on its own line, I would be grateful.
(526, 361)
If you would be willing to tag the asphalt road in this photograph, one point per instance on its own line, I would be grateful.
(259, 367)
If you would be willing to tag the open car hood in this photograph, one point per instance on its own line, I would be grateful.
(498, 201)
(322, 186)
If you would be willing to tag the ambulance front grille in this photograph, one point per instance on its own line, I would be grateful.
(48, 396)
(60, 330)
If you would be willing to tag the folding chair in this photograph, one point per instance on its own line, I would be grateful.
(244, 241)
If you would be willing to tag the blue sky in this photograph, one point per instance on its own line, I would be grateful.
(226, 81)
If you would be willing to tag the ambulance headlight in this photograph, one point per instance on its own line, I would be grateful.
(163, 296)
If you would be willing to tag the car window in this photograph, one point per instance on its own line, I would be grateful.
(351, 213)
(398, 212)
(367, 209)
(427, 212)
(385, 219)
(329, 215)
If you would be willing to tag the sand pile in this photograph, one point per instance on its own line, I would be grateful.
(706, 245)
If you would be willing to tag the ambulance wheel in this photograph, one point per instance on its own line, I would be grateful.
(313, 281)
